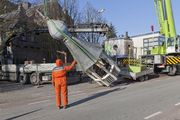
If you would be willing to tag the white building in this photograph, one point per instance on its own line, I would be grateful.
(148, 40)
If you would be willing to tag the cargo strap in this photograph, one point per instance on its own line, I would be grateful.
(84, 51)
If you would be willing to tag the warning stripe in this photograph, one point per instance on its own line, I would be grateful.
(177, 59)
(132, 61)
(170, 60)
(174, 60)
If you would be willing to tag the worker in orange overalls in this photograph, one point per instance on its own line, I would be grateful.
(60, 83)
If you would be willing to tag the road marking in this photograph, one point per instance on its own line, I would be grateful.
(38, 102)
(177, 104)
(152, 115)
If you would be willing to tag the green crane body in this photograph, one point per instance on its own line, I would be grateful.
(166, 24)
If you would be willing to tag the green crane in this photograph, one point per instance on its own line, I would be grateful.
(167, 27)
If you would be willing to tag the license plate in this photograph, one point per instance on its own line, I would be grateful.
(126, 76)
(45, 78)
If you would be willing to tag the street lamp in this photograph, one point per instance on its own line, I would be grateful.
(98, 13)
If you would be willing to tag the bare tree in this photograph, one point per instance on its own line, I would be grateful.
(89, 15)
(71, 9)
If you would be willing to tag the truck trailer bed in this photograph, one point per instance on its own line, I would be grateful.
(140, 75)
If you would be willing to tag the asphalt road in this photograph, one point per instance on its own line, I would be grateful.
(156, 99)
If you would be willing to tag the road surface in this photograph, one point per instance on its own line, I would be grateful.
(157, 99)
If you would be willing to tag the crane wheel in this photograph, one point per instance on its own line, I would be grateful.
(172, 70)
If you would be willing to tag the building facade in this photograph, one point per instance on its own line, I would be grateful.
(147, 40)
(30, 46)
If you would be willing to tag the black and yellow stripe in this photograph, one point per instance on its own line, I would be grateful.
(132, 61)
(173, 60)
(169, 61)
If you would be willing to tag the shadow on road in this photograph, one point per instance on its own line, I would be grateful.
(22, 115)
(8, 86)
(94, 96)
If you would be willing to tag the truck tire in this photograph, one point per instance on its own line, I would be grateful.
(34, 80)
(141, 79)
(23, 79)
(146, 77)
(172, 70)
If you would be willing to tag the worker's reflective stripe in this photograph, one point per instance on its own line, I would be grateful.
(58, 68)
(170, 60)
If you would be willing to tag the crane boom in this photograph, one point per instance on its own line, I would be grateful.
(165, 17)
(167, 27)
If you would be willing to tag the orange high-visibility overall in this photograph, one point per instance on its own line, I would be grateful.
(59, 79)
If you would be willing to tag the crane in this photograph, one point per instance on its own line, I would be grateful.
(167, 27)
(166, 57)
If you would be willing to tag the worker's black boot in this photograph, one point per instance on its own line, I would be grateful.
(59, 107)
(66, 106)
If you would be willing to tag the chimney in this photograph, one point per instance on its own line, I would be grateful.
(5, 9)
(26, 5)
(19, 7)
(127, 37)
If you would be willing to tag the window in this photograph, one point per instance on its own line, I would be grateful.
(32, 38)
(146, 44)
(146, 40)
(23, 25)
(22, 37)
(170, 42)
(152, 42)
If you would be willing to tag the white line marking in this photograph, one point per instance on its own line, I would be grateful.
(153, 115)
(177, 104)
(38, 102)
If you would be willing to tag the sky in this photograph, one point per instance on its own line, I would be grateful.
(134, 16)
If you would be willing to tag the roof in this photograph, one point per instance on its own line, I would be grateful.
(149, 33)
(9, 19)
(122, 38)
(119, 56)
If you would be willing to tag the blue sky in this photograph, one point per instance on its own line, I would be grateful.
(134, 16)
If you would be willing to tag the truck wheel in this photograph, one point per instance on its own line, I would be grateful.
(23, 79)
(172, 70)
(141, 79)
(145, 77)
(34, 80)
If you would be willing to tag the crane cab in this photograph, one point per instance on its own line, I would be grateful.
(172, 45)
